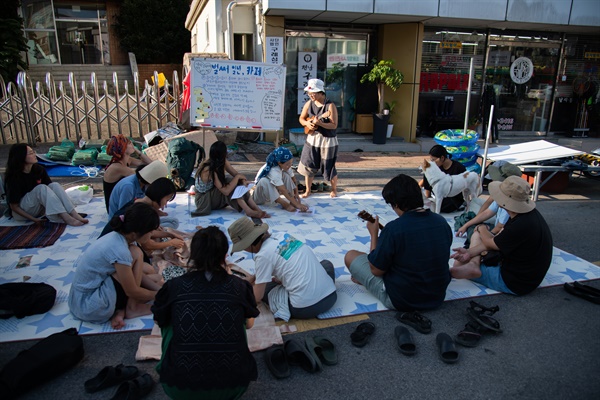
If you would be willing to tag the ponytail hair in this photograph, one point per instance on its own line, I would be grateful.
(139, 218)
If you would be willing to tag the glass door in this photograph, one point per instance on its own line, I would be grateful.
(521, 72)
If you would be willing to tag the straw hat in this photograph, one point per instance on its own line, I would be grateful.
(314, 85)
(499, 171)
(151, 172)
(243, 232)
(513, 194)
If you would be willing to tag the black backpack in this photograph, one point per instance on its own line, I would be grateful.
(182, 160)
(45, 360)
(21, 299)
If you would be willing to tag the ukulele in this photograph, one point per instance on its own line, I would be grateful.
(313, 120)
(365, 216)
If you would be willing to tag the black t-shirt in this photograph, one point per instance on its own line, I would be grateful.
(449, 204)
(23, 183)
(526, 247)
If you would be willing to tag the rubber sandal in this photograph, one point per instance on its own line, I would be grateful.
(446, 348)
(405, 341)
(323, 350)
(361, 335)
(480, 309)
(415, 319)
(589, 289)
(134, 389)
(576, 291)
(326, 187)
(297, 354)
(471, 335)
(301, 188)
(484, 320)
(110, 376)
(277, 362)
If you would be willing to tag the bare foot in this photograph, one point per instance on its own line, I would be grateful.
(289, 207)
(71, 221)
(135, 309)
(117, 320)
(254, 214)
(265, 215)
(305, 194)
(353, 279)
(333, 194)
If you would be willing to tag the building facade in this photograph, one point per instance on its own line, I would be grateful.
(536, 61)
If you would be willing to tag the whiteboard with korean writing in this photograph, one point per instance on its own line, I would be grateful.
(236, 94)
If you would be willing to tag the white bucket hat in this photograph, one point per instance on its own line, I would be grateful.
(151, 172)
(314, 86)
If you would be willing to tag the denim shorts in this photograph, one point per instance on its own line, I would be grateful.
(492, 278)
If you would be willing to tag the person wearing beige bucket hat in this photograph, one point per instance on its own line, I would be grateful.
(289, 277)
(134, 186)
(525, 244)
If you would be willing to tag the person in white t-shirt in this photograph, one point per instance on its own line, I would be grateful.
(276, 183)
(289, 277)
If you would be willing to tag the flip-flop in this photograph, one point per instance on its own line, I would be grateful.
(484, 320)
(415, 319)
(276, 361)
(586, 288)
(481, 309)
(471, 335)
(405, 341)
(298, 354)
(110, 376)
(362, 334)
(446, 348)
(576, 291)
(134, 388)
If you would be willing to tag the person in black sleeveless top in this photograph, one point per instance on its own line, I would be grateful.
(319, 154)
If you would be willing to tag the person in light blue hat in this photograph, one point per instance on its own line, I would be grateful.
(276, 183)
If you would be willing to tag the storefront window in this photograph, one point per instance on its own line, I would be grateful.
(328, 57)
(38, 14)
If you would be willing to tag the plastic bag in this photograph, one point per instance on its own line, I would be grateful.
(80, 195)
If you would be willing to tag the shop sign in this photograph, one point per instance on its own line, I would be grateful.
(460, 61)
(521, 70)
(307, 69)
(274, 50)
(505, 124)
(499, 59)
(345, 59)
(451, 45)
(592, 54)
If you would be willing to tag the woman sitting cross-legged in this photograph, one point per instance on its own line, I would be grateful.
(31, 194)
(109, 283)
(203, 316)
(276, 183)
(214, 190)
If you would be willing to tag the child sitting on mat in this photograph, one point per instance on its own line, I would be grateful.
(214, 190)
(203, 316)
(276, 183)
(109, 283)
(31, 194)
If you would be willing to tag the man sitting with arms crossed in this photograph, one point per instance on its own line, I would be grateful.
(525, 244)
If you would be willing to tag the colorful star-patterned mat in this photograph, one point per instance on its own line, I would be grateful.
(331, 230)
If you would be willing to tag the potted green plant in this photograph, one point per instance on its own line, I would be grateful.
(382, 74)
(389, 106)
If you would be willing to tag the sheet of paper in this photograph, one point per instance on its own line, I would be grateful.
(242, 190)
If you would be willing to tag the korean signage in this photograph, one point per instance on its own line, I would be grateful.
(499, 59)
(274, 54)
(307, 69)
(459, 61)
(451, 45)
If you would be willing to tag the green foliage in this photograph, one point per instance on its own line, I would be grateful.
(390, 106)
(335, 74)
(154, 30)
(12, 42)
(383, 74)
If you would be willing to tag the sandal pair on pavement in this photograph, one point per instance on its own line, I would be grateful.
(131, 386)
(480, 323)
(586, 292)
(310, 355)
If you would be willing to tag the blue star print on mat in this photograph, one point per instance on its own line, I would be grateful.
(567, 257)
(297, 222)
(340, 219)
(340, 271)
(67, 279)
(329, 231)
(49, 263)
(314, 243)
(68, 236)
(48, 321)
(323, 205)
(362, 239)
(574, 275)
(219, 221)
(364, 308)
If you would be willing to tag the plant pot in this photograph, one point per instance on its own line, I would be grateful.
(390, 129)
(380, 126)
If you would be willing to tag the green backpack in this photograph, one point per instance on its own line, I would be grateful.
(182, 160)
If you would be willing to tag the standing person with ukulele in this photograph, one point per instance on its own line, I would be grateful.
(407, 264)
(320, 119)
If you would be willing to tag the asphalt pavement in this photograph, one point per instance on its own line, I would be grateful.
(549, 347)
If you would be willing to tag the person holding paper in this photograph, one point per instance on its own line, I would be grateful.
(276, 183)
(214, 191)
